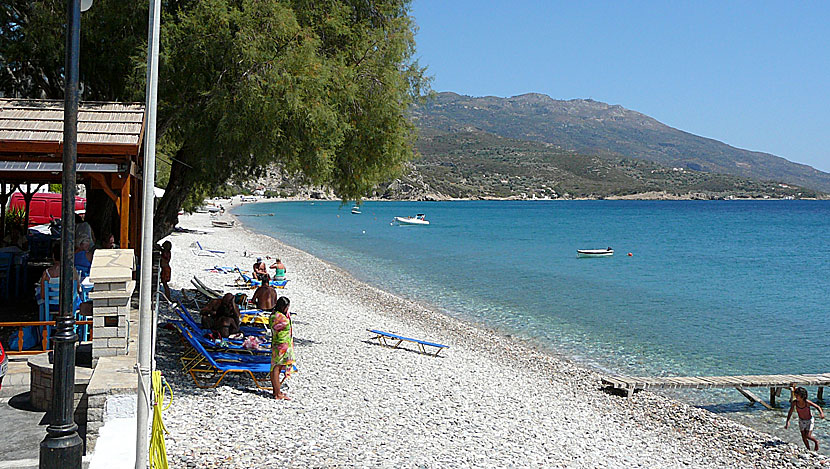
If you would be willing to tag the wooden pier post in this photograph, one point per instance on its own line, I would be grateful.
(752, 397)
(820, 394)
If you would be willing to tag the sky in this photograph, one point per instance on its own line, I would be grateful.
(755, 75)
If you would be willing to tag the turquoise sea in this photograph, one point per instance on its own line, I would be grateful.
(710, 288)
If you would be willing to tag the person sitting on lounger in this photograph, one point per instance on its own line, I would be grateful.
(226, 321)
(220, 313)
(265, 298)
(279, 270)
(260, 272)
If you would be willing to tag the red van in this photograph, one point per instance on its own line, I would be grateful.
(44, 206)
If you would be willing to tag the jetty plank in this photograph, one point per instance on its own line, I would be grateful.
(739, 382)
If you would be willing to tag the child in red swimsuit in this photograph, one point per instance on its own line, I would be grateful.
(805, 417)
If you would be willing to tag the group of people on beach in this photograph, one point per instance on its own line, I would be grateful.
(261, 272)
(222, 315)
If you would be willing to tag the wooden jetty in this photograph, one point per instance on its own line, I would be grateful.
(775, 383)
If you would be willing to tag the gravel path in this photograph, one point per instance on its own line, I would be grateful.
(488, 401)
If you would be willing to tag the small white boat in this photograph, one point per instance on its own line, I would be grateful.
(356, 210)
(418, 219)
(594, 252)
(222, 223)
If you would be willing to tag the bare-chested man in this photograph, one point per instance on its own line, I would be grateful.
(265, 297)
(261, 272)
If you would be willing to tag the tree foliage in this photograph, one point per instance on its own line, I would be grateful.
(319, 88)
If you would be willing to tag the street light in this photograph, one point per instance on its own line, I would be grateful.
(62, 447)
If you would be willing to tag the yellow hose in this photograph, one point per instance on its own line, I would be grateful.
(158, 453)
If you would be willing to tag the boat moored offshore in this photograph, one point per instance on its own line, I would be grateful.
(594, 252)
(419, 219)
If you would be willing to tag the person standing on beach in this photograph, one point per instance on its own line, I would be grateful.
(805, 417)
(164, 264)
(282, 345)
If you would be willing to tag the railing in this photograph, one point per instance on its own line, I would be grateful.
(44, 343)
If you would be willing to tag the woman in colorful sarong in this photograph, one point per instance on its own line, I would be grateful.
(282, 345)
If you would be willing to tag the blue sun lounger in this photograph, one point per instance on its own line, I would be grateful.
(388, 339)
(207, 365)
(228, 346)
(187, 318)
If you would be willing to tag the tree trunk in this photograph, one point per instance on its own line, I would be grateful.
(167, 209)
(100, 214)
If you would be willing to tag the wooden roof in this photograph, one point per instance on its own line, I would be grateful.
(35, 126)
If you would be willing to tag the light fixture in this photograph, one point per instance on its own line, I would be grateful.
(85, 5)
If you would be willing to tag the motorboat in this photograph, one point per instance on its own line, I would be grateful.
(608, 252)
(222, 223)
(418, 219)
(356, 210)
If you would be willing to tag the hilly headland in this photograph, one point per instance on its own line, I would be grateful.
(535, 147)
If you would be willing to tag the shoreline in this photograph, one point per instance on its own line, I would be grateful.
(643, 197)
(641, 429)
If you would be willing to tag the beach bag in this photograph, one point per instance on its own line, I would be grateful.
(31, 338)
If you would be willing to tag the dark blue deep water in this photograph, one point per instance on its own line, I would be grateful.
(727, 287)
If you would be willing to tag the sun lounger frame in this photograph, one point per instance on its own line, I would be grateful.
(204, 289)
(205, 367)
(388, 339)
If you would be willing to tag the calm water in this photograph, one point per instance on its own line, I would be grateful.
(737, 287)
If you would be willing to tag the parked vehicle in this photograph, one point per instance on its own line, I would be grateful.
(4, 364)
(44, 207)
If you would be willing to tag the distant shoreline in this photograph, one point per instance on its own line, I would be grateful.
(659, 196)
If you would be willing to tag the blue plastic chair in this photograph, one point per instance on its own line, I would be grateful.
(6, 266)
(39, 246)
(21, 277)
(49, 304)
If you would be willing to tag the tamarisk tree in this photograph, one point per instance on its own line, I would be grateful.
(319, 88)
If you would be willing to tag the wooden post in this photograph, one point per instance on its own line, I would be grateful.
(820, 394)
(772, 393)
(752, 397)
(125, 213)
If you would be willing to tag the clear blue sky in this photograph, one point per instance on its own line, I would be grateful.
(755, 75)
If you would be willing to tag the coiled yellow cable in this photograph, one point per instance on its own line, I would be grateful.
(158, 453)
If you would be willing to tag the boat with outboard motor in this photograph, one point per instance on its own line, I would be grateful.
(594, 252)
(419, 219)
(356, 210)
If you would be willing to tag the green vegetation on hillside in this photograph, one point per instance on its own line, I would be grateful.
(592, 127)
(479, 164)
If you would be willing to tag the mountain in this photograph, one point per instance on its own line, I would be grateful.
(591, 127)
(476, 164)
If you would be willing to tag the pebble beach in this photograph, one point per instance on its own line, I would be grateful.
(488, 400)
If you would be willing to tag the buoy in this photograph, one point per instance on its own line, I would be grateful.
(630, 255)
(364, 231)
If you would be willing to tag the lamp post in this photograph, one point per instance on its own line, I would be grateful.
(62, 447)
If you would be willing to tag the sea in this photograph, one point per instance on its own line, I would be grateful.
(693, 288)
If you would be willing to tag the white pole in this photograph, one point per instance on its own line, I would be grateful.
(145, 322)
